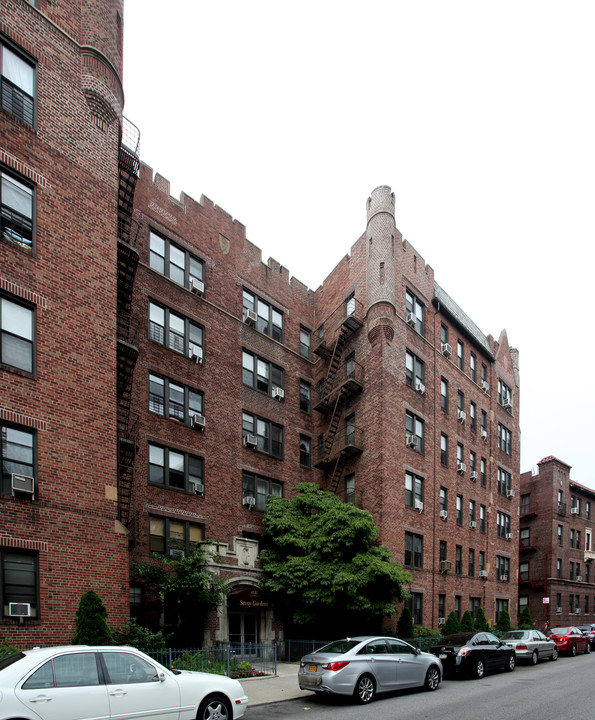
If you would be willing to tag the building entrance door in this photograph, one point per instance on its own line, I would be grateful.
(243, 628)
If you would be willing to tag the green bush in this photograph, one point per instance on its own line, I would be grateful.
(405, 627)
(525, 619)
(91, 621)
(139, 637)
(452, 624)
(211, 663)
(481, 622)
(467, 622)
(503, 624)
(423, 631)
(7, 648)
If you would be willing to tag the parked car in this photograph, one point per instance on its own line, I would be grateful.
(570, 640)
(80, 681)
(363, 666)
(590, 631)
(531, 645)
(474, 654)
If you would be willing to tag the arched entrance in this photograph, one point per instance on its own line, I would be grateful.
(244, 613)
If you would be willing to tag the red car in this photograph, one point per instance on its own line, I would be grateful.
(570, 640)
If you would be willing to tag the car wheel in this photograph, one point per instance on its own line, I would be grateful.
(555, 653)
(573, 651)
(588, 649)
(432, 678)
(534, 658)
(215, 707)
(511, 664)
(365, 688)
(479, 668)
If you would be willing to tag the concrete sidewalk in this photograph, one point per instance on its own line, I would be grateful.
(275, 688)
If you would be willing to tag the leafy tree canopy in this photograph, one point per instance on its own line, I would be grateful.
(322, 559)
(91, 621)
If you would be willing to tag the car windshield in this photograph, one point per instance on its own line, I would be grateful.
(339, 646)
(5, 662)
(453, 640)
(560, 631)
(515, 635)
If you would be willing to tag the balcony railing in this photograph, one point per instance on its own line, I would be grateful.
(561, 508)
(528, 545)
(529, 509)
(348, 315)
(349, 379)
(348, 441)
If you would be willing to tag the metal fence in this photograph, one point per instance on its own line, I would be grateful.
(237, 661)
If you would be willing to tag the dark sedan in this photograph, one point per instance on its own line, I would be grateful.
(474, 654)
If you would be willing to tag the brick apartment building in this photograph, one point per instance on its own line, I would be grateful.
(167, 380)
(556, 575)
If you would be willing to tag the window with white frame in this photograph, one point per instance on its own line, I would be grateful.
(473, 366)
(17, 334)
(459, 509)
(444, 449)
(460, 355)
(482, 518)
(305, 397)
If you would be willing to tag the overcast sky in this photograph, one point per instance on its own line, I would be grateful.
(480, 116)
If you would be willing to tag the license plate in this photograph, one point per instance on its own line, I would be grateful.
(312, 668)
(442, 656)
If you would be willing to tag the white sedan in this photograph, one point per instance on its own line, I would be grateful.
(80, 682)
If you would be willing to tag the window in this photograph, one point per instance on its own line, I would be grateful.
(18, 85)
(461, 401)
(473, 366)
(444, 394)
(459, 508)
(588, 509)
(504, 395)
(484, 421)
(414, 490)
(175, 263)
(460, 454)
(484, 373)
(70, 670)
(120, 664)
(571, 538)
(482, 560)
(472, 461)
(17, 200)
(560, 535)
(19, 581)
(524, 571)
(482, 518)
(458, 560)
(523, 603)
(525, 503)
(571, 603)
(504, 439)
(443, 498)
(503, 524)
(444, 449)
(175, 469)
(305, 397)
(588, 539)
(261, 374)
(501, 605)
(260, 488)
(305, 451)
(442, 606)
(414, 549)
(269, 320)
(415, 428)
(558, 602)
(169, 536)
(175, 331)
(471, 511)
(415, 605)
(173, 400)
(305, 342)
(443, 551)
(414, 370)
(525, 537)
(350, 488)
(473, 416)
(17, 334)
(269, 435)
(504, 482)
(415, 312)
(443, 333)
(460, 355)
(503, 568)
(483, 471)
(471, 562)
(17, 453)
(559, 567)
(458, 606)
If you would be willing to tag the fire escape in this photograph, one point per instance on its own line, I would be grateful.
(343, 379)
(128, 163)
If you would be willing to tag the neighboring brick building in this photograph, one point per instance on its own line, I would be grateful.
(556, 575)
(177, 380)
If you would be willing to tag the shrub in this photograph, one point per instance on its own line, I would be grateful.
(7, 648)
(481, 623)
(452, 624)
(467, 622)
(139, 637)
(503, 623)
(525, 619)
(405, 627)
(423, 631)
(91, 621)
(214, 662)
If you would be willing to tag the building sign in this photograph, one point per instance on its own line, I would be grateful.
(249, 599)
(546, 601)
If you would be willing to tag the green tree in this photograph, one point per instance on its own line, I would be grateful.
(186, 589)
(405, 627)
(140, 637)
(503, 623)
(91, 621)
(452, 624)
(525, 619)
(322, 564)
(481, 623)
(467, 624)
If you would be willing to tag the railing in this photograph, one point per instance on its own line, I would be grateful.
(348, 313)
(530, 508)
(130, 136)
(350, 375)
(237, 660)
(561, 508)
(347, 440)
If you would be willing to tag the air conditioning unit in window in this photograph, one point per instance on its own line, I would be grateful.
(250, 317)
(485, 386)
(504, 578)
(198, 422)
(484, 434)
(579, 578)
(411, 441)
(177, 552)
(278, 393)
(249, 501)
(250, 441)
(196, 354)
(419, 505)
(506, 403)
(461, 468)
(558, 609)
(461, 416)
(420, 387)
(410, 319)
(197, 286)
(197, 488)
(22, 484)
(472, 524)
(510, 494)
(441, 621)
(473, 475)
(577, 610)
(446, 349)
(19, 609)
(445, 565)
(483, 574)
(574, 511)
(508, 536)
(443, 514)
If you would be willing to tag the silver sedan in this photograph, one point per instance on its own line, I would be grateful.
(363, 666)
(531, 645)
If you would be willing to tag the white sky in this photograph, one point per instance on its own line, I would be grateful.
(480, 116)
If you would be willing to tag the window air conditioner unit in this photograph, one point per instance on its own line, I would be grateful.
(483, 574)
(177, 552)
(574, 511)
(484, 434)
(278, 393)
(445, 565)
(509, 536)
(443, 514)
(196, 354)
(472, 524)
(506, 403)
(197, 286)
(250, 317)
(446, 349)
(419, 505)
(504, 578)
(19, 609)
(411, 319)
(461, 415)
(441, 621)
(411, 441)
(461, 468)
(473, 475)
(420, 387)
(23, 484)
(485, 386)
(577, 610)
(198, 422)
(558, 609)
(249, 501)
(510, 494)
(579, 578)
(197, 488)
(250, 441)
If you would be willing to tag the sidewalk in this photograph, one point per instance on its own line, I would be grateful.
(275, 688)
